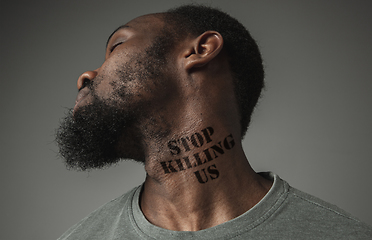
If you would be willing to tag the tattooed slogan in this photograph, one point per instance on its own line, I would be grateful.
(204, 156)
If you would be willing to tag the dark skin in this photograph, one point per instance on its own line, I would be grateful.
(197, 94)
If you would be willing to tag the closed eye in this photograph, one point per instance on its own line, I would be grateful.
(113, 47)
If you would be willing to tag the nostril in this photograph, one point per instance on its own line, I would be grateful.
(86, 79)
(86, 82)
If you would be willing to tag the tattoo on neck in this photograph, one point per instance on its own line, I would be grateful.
(197, 140)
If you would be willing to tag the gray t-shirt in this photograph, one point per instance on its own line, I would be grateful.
(284, 213)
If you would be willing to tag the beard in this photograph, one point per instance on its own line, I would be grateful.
(90, 137)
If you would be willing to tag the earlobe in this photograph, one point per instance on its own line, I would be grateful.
(203, 49)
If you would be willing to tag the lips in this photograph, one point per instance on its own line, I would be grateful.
(83, 93)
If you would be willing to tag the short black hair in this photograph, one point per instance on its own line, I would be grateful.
(244, 56)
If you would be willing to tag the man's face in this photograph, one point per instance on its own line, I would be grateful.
(103, 127)
(134, 53)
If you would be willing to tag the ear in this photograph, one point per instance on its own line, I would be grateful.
(203, 49)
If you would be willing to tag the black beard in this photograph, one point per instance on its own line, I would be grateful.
(89, 139)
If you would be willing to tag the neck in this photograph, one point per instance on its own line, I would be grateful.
(201, 179)
(198, 175)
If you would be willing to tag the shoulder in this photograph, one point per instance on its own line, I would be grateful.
(294, 214)
(101, 220)
(315, 216)
(313, 203)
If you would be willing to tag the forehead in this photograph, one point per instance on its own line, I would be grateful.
(150, 24)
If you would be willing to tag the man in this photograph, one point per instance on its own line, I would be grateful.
(176, 92)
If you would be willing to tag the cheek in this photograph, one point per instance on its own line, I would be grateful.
(134, 80)
(110, 82)
(119, 89)
(102, 85)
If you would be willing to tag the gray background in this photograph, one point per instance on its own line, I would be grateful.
(313, 126)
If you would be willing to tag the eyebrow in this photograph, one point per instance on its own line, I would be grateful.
(121, 27)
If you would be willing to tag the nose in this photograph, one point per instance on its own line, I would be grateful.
(85, 78)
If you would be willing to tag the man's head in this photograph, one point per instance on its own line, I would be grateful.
(138, 80)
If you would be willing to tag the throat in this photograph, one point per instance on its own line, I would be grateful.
(198, 180)
(202, 160)
(195, 155)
